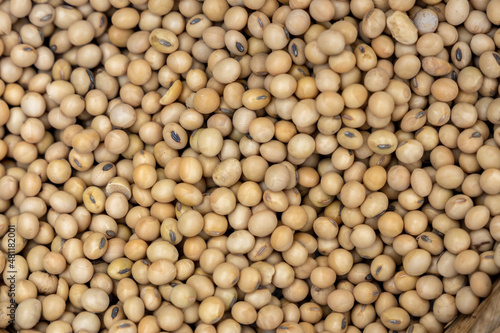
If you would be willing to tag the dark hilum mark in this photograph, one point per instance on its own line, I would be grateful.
(175, 136)
(349, 134)
(164, 42)
(46, 18)
(476, 135)
(259, 21)
(114, 312)
(91, 78)
(287, 34)
(497, 58)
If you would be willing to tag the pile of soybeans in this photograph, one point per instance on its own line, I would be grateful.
(247, 166)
